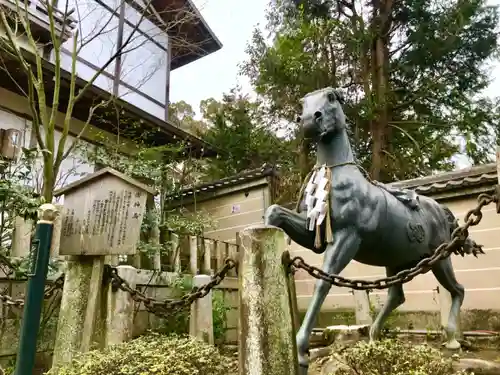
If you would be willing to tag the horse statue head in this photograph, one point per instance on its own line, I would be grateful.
(322, 114)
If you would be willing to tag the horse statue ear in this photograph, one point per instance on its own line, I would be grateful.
(340, 96)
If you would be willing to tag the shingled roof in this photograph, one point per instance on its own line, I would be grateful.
(468, 177)
(475, 176)
(238, 179)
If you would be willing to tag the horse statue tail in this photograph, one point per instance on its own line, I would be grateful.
(470, 246)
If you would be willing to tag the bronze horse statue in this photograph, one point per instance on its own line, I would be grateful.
(344, 216)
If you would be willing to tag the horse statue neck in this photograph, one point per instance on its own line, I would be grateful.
(335, 149)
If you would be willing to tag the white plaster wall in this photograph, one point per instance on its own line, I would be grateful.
(72, 168)
(144, 63)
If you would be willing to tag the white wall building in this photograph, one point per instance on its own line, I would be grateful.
(139, 77)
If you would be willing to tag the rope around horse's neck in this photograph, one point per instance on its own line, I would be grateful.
(308, 176)
(328, 176)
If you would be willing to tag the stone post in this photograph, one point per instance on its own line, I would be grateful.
(175, 259)
(120, 309)
(21, 239)
(266, 339)
(201, 322)
(56, 234)
(207, 256)
(79, 306)
(362, 307)
(193, 254)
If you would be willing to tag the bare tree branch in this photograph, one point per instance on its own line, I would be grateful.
(45, 115)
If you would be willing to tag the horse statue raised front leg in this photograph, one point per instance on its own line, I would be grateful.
(344, 216)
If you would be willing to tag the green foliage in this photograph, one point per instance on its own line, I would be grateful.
(243, 129)
(240, 127)
(184, 222)
(153, 354)
(392, 357)
(413, 73)
(219, 311)
(183, 115)
(178, 321)
(17, 198)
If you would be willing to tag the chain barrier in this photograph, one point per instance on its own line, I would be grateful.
(18, 302)
(50, 291)
(458, 238)
(165, 307)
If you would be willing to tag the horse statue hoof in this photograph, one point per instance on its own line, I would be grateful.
(452, 345)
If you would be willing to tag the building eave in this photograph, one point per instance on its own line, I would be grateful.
(161, 132)
(244, 177)
(198, 39)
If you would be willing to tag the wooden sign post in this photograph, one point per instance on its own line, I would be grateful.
(102, 216)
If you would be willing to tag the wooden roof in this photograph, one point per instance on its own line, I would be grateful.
(95, 176)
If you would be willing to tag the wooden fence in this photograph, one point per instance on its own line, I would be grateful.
(197, 255)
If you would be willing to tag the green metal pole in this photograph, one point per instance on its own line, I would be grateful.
(40, 254)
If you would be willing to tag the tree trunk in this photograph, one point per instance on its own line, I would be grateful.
(49, 180)
(380, 82)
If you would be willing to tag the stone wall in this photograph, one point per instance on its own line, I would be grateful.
(471, 319)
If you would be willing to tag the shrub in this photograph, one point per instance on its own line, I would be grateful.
(392, 357)
(153, 354)
(219, 315)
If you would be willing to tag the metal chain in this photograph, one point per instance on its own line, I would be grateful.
(6, 262)
(49, 292)
(458, 237)
(167, 306)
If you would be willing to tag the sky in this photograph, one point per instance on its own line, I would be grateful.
(233, 22)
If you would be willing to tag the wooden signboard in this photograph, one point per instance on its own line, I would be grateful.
(102, 214)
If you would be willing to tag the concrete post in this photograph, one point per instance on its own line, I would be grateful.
(362, 307)
(21, 238)
(56, 234)
(120, 309)
(207, 256)
(193, 254)
(175, 259)
(79, 305)
(201, 322)
(266, 339)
